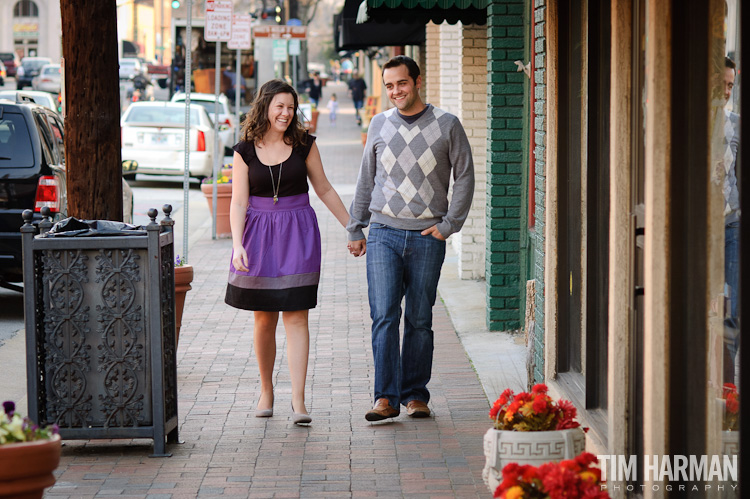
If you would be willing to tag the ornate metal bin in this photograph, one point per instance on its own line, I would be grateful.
(100, 332)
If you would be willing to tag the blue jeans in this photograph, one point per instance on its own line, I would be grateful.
(402, 263)
(732, 278)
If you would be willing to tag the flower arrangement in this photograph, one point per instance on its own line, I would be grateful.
(223, 179)
(569, 479)
(14, 428)
(534, 411)
(732, 412)
(225, 176)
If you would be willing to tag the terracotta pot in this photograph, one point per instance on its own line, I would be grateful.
(527, 447)
(223, 199)
(183, 276)
(314, 120)
(226, 172)
(26, 467)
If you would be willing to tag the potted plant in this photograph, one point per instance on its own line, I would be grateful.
(529, 428)
(314, 118)
(223, 199)
(571, 479)
(183, 276)
(730, 441)
(28, 454)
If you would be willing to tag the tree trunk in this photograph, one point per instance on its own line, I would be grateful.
(92, 109)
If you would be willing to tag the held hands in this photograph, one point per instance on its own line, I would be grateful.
(434, 232)
(239, 258)
(357, 248)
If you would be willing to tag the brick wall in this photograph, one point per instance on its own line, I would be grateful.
(450, 67)
(540, 138)
(470, 242)
(505, 127)
(431, 69)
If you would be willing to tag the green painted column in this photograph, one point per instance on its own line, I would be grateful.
(505, 95)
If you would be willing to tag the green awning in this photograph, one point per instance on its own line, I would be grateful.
(437, 11)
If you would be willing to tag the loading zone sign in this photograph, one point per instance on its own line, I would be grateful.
(240, 32)
(218, 20)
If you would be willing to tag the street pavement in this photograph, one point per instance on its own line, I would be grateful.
(227, 452)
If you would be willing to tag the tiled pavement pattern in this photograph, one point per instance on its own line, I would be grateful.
(227, 452)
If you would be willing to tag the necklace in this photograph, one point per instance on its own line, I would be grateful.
(276, 186)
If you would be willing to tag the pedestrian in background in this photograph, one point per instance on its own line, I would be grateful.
(406, 205)
(275, 265)
(333, 107)
(314, 88)
(357, 88)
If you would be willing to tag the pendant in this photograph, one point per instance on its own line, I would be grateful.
(275, 199)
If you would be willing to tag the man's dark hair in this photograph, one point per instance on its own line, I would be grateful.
(729, 63)
(402, 60)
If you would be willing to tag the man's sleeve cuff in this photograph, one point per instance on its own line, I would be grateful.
(356, 235)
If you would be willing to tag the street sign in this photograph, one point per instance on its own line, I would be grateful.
(218, 20)
(294, 46)
(241, 32)
(273, 31)
(279, 50)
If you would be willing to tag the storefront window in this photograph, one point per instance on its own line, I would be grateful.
(724, 209)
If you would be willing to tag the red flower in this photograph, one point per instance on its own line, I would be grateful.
(733, 404)
(540, 404)
(539, 388)
(586, 458)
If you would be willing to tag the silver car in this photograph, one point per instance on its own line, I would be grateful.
(45, 99)
(227, 121)
(48, 79)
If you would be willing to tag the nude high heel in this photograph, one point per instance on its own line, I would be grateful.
(300, 419)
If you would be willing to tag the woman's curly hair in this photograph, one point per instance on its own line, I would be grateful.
(256, 122)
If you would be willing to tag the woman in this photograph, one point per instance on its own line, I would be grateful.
(275, 238)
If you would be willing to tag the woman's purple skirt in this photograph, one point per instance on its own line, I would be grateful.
(282, 241)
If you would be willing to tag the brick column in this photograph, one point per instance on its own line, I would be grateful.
(431, 69)
(470, 242)
(505, 124)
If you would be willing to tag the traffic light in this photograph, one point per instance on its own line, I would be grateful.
(175, 4)
(278, 14)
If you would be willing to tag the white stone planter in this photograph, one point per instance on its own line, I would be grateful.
(527, 447)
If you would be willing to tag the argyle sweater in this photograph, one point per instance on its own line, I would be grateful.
(405, 173)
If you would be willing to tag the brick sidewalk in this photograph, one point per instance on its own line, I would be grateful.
(227, 452)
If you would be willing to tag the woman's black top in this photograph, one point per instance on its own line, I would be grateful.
(293, 173)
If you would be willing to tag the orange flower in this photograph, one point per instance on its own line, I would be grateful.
(514, 493)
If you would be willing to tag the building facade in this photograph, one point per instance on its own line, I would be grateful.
(31, 28)
(609, 163)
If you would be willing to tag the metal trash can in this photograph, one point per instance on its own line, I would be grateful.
(100, 328)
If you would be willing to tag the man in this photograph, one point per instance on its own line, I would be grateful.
(231, 91)
(731, 224)
(402, 192)
(357, 87)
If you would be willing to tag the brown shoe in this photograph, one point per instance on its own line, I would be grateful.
(417, 409)
(382, 410)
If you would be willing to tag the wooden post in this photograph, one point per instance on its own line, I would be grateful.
(92, 109)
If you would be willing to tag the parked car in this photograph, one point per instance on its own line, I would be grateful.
(30, 67)
(48, 79)
(45, 99)
(130, 66)
(153, 134)
(3, 74)
(227, 121)
(32, 176)
(11, 61)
